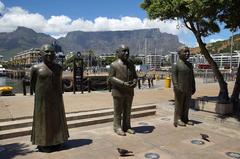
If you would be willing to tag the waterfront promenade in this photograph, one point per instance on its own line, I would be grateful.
(155, 134)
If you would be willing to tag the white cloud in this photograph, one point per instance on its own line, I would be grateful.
(196, 44)
(16, 16)
(215, 40)
(58, 26)
(2, 7)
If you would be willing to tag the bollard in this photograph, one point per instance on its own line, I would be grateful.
(168, 82)
(109, 87)
(24, 87)
(31, 90)
(89, 85)
(139, 83)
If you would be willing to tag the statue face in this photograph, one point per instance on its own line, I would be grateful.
(48, 53)
(48, 56)
(124, 55)
(184, 54)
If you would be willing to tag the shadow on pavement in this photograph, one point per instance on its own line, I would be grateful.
(70, 144)
(144, 129)
(196, 122)
(225, 117)
(209, 98)
(12, 150)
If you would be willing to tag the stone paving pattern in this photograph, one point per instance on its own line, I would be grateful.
(155, 134)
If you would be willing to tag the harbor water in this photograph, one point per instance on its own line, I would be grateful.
(15, 83)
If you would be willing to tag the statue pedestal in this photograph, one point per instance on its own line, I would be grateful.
(213, 106)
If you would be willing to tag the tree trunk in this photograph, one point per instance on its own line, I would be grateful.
(223, 93)
(235, 93)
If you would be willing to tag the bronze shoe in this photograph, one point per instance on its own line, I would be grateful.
(180, 123)
(130, 131)
(120, 132)
(189, 123)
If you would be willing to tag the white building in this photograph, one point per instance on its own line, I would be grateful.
(104, 56)
(1, 58)
(154, 61)
(227, 60)
(222, 59)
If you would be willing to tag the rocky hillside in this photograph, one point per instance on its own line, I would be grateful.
(221, 46)
(107, 41)
(150, 40)
(20, 40)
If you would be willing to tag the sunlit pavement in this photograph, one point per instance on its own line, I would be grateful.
(155, 137)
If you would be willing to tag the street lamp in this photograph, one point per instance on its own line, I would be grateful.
(231, 51)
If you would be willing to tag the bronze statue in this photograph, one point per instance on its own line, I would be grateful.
(49, 128)
(123, 79)
(184, 87)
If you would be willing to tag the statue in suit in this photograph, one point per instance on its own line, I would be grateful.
(183, 86)
(49, 128)
(123, 80)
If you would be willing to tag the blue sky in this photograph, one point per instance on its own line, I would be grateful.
(89, 9)
(58, 17)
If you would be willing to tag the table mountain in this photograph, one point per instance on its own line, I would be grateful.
(150, 40)
(108, 41)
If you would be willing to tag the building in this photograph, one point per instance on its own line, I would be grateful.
(223, 60)
(110, 55)
(154, 61)
(1, 58)
(227, 60)
(28, 57)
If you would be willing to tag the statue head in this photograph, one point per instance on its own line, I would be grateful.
(48, 53)
(123, 52)
(183, 53)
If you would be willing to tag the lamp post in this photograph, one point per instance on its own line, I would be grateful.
(145, 50)
(231, 51)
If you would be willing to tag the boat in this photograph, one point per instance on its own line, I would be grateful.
(2, 71)
(6, 91)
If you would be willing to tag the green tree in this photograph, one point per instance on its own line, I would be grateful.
(136, 60)
(203, 18)
(231, 17)
(109, 60)
(69, 60)
(230, 14)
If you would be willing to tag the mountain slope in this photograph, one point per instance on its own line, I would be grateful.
(150, 41)
(21, 39)
(107, 41)
(221, 46)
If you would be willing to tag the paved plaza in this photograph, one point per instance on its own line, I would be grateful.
(155, 137)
